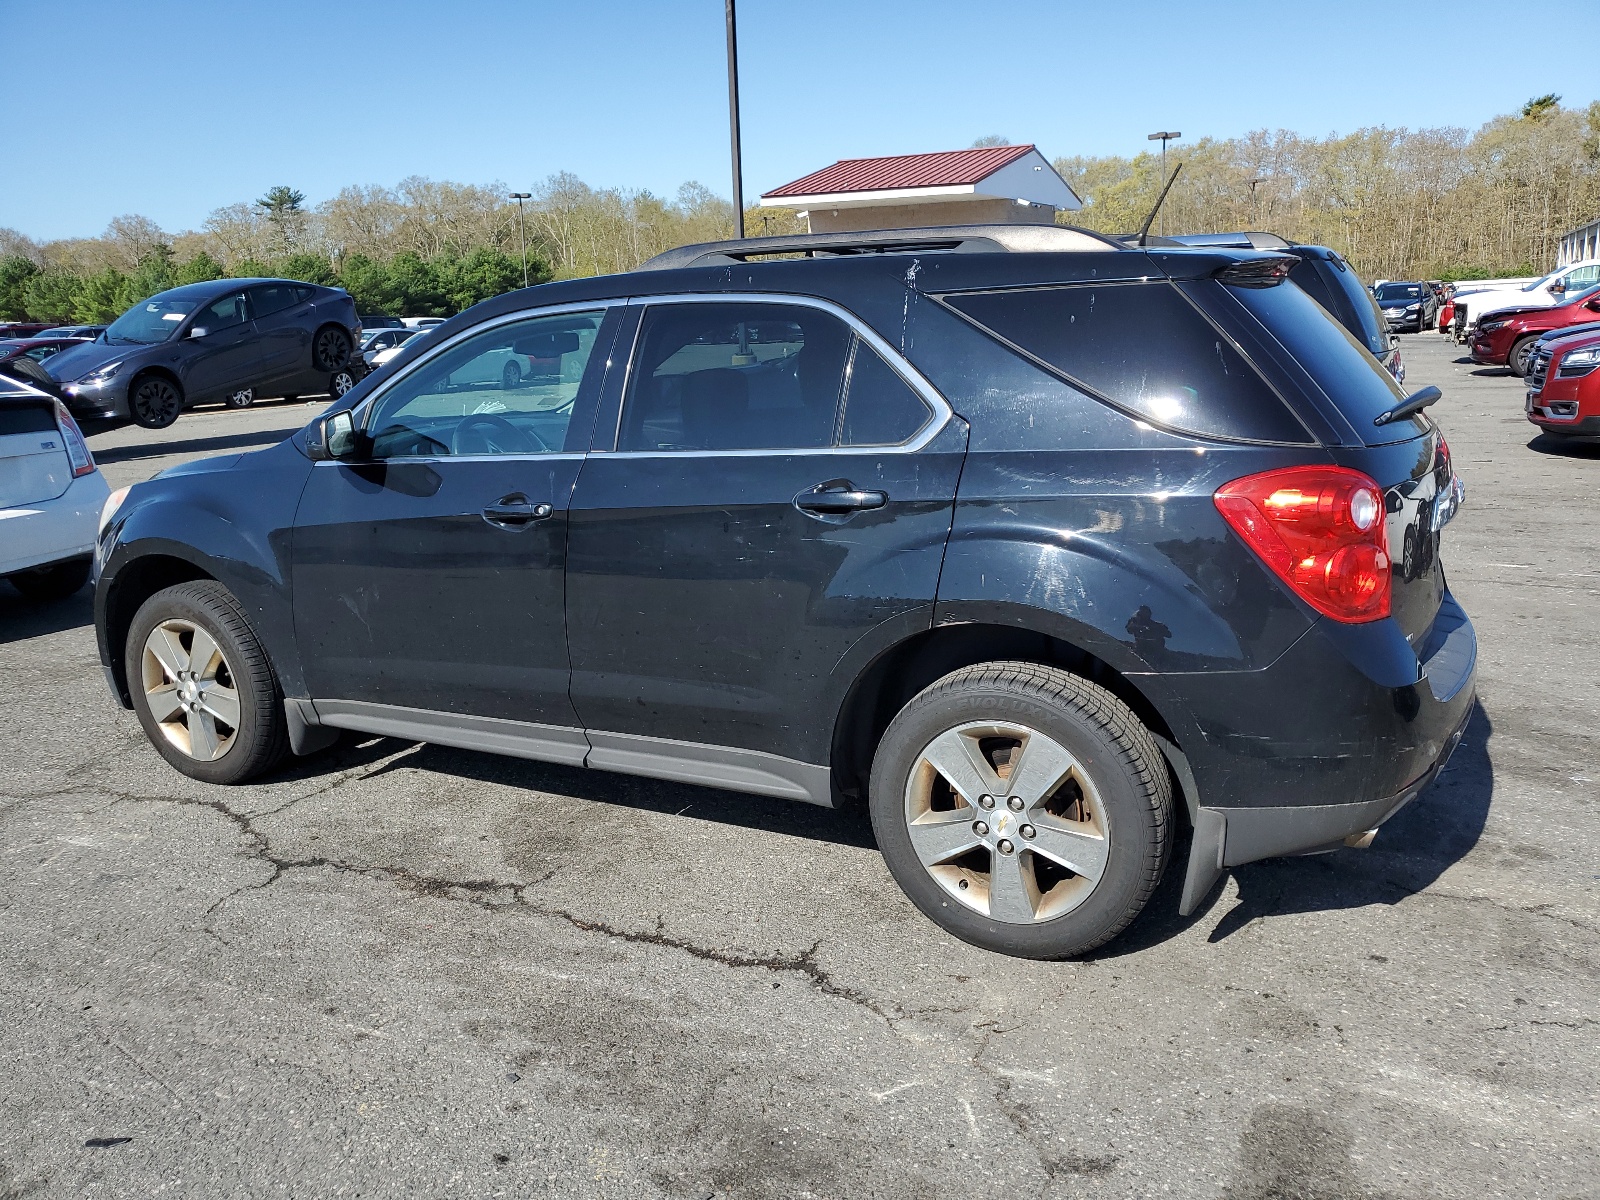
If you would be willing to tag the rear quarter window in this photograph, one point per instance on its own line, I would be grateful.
(1145, 349)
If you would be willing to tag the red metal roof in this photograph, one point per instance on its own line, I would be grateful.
(947, 168)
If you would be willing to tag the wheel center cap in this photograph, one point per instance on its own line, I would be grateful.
(1002, 823)
(189, 690)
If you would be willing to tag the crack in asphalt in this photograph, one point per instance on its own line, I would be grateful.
(494, 895)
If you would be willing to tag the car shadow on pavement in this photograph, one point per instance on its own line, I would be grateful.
(1412, 850)
(1565, 447)
(21, 619)
(847, 827)
(232, 441)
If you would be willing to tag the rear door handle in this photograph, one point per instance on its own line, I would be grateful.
(515, 511)
(838, 497)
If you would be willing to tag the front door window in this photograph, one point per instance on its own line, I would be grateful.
(508, 390)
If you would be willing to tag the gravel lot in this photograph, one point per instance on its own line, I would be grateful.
(402, 970)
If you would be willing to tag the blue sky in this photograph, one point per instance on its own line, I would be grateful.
(172, 109)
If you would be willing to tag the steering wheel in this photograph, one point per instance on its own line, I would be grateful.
(500, 436)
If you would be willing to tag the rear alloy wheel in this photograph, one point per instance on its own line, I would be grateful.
(1024, 809)
(243, 398)
(155, 402)
(202, 685)
(339, 383)
(57, 581)
(1521, 350)
(331, 350)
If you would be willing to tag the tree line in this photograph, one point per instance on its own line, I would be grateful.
(1399, 203)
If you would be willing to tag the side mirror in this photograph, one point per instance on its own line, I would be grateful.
(333, 437)
(1592, 304)
(198, 331)
(1556, 288)
(1394, 341)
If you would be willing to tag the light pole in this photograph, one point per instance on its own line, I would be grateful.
(522, 231)
(1165, 136)
(1254, 184)
(733, 122)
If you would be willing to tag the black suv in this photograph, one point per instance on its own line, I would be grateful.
(228, 339)
(1040, 546)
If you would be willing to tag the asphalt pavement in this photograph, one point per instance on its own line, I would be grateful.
(401, 970)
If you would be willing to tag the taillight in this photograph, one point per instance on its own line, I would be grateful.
(72, 437)
(1320, 530)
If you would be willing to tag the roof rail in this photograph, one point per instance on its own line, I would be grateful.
(957, 239)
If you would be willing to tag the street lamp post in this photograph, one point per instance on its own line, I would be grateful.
(522, 232)
(1254, 184)
(1165, 136)
(733, 122)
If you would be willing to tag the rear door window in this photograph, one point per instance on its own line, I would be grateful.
(735, 376)
(272, 297)
(1144, 348)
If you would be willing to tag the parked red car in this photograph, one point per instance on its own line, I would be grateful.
(1506, 336)
(1447, 309)
(1564, 389)
(37, 349)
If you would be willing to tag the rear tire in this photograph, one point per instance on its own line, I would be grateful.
(202, 685)
(1068, 846)
(243, 398)
(1517, 360)
(55, 581)
(331, 349)
(340, 382)
(154, 402)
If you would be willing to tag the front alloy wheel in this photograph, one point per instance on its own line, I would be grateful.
(339, 383)
(155, 402)
(243, 398)
(202, 685)
(188, 688)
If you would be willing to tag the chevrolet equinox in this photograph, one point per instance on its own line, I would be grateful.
(1041, 546)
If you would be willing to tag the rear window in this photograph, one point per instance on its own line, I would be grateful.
(1145, 348)
(1355, 381)
(26, 418)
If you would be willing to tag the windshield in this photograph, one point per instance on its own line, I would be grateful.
(145, 324)
(1400, 291)
(1580, 297)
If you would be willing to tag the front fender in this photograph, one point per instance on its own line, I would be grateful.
(233, 525)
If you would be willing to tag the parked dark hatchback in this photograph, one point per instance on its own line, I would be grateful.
(228, 339)
(1037, 545)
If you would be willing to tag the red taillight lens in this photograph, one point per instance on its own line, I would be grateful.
(72, 438)
(1321, 530)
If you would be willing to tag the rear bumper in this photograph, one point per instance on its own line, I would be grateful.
(1326, 744)
(35, 535)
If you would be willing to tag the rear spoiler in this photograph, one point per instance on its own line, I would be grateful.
(1258, 272)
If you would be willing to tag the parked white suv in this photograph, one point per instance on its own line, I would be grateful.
(51, 494)
(1541, 293)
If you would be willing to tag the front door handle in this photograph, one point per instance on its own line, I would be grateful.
(515, 511)
(838, 497)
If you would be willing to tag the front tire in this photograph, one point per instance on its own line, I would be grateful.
(154, 402)
(339, 383)
(243, 398)
(47, 584)
(202, 685)
(1521, 350)
(1022, 809)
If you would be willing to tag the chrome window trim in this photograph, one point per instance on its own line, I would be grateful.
(363, 411)
(938, 419)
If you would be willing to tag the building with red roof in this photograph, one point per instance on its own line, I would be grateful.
(985, 185)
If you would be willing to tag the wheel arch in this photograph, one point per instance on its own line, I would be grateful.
(136, 582)
(902, 670)
(165, 372)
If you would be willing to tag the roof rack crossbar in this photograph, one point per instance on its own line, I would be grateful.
(938, 239)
